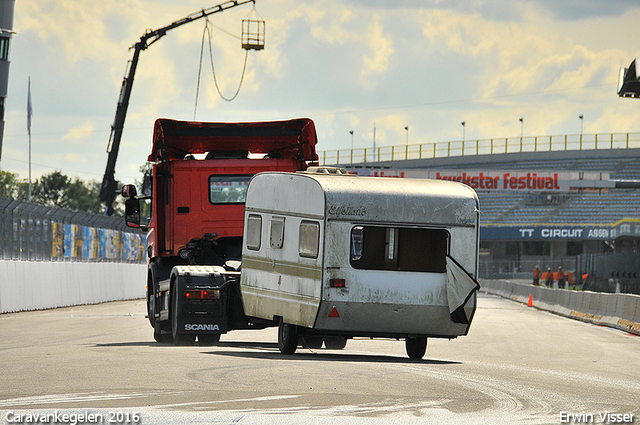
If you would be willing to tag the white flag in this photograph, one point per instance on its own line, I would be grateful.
(29, 110)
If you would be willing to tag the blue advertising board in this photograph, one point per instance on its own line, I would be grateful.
(560, 232)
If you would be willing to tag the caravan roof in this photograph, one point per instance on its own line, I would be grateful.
(394, 200)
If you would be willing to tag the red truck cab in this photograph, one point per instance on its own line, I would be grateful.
(200, 174)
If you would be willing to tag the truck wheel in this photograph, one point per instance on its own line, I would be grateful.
(151, 294)
(287, 338)
(209, 339)
(155, 273)
(161, 336)
(416, 347)
(178, 338)
(335, 342)
(151, 314)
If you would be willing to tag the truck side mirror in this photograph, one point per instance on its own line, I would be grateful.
(129, 191)
(132, 212)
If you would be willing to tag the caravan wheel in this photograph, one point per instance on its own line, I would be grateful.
(416, 347)
(287, 338)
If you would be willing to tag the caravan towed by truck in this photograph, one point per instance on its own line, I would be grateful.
(331, 256)
(322, 255)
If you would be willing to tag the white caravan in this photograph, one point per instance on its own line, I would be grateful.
(331, 256)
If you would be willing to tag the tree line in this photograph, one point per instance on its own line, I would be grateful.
(55, 190)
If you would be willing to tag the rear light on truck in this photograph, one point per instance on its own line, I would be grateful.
(337, 283)
(202, 294)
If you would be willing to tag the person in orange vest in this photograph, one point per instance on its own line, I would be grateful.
(536, 276)
(561, 277)
(549, 277)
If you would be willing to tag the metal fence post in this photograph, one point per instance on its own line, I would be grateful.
(611, 141)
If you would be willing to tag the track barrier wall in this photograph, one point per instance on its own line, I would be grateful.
(36, 285)
(55, 257)
(620, 311)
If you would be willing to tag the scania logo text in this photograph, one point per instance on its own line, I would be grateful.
(201, 327)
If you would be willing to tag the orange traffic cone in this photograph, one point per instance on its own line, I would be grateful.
(530, 303)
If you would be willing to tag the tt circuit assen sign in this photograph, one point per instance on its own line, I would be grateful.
(550, 232)
(500, 180)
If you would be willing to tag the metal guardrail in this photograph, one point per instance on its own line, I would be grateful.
(620, 311)
(482, 147)
(33, 232)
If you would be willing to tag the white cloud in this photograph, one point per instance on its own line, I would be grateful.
(428, 65)
(381, 49)
(79, 133)
(516, 57)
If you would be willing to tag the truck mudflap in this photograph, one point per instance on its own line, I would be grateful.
(202, 299)
(461, 287)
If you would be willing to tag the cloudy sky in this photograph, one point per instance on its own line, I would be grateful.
(348, 65)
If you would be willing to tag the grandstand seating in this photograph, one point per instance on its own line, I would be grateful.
(507, 208)
(578, 208)
(512, 208)
(619, 168)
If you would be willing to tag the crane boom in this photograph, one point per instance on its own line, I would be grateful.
(108, 189)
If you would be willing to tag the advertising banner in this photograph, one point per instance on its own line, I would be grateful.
(502, 180)
(69, 240)
(88, 242)
(560, 232)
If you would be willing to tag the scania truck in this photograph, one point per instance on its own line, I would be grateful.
(195, 208)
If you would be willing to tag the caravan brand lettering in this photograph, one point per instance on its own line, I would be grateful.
(346, 210)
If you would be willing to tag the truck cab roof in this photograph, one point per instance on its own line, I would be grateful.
(290, 139)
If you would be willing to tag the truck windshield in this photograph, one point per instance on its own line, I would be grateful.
(228, 189)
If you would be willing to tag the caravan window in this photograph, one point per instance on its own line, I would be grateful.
(254, 231)
(277, 232)
(399, 248)
(309, 241)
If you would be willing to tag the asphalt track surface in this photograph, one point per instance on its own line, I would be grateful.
(518, 365)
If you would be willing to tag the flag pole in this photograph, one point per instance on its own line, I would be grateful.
(29, 113)
(29, 166)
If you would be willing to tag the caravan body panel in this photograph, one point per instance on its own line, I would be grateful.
(386, 239)
(276, 280)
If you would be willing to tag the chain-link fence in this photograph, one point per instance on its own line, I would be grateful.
(34, 232)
